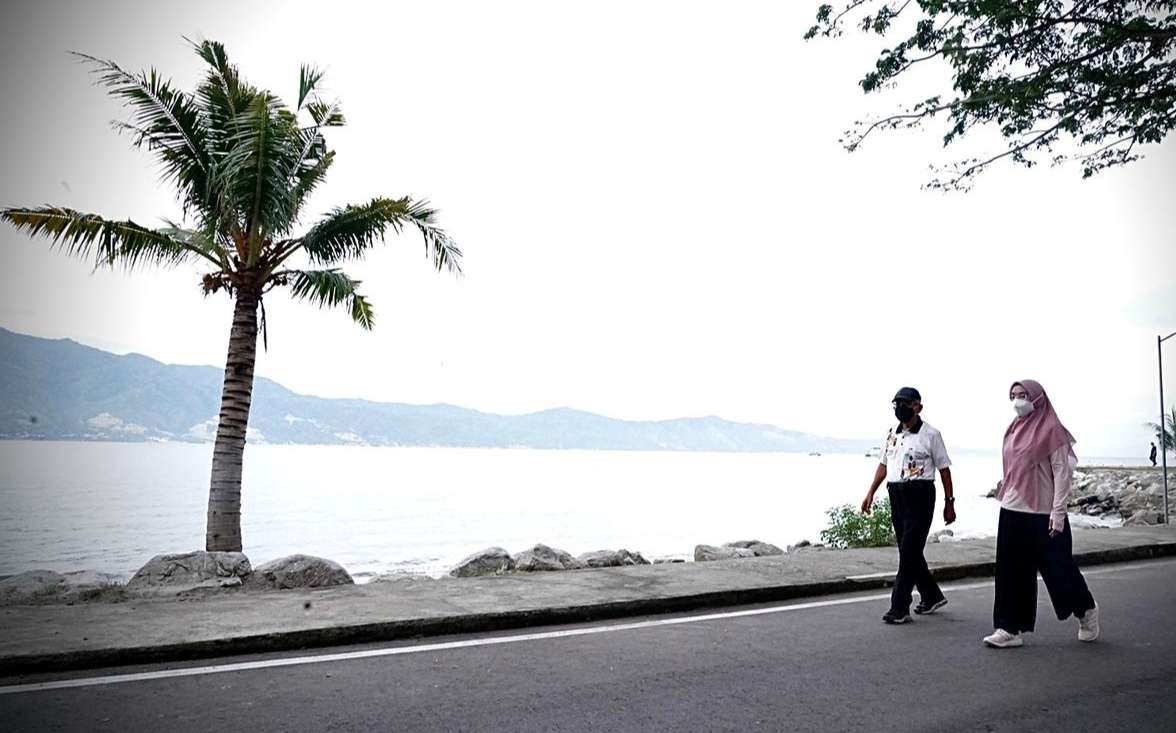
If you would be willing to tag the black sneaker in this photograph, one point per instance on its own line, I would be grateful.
(890, 617)
(923, 608)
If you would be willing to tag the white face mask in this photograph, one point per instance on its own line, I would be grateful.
(1022, 407)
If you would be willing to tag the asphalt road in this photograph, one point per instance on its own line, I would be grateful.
(826, 664)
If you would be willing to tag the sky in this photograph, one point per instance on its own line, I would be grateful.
(657, 218)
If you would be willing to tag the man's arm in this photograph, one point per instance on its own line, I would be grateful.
(949, 514)
(879, 477)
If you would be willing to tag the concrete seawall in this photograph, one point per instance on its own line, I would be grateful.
(63, 637)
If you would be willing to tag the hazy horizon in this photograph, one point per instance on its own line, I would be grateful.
(656, 214)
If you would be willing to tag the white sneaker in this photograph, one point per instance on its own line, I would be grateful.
(1088, 625)
(1002, 639)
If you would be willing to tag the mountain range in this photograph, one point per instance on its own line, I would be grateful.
(63, 390)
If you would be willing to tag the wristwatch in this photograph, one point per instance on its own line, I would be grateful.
(949, 499)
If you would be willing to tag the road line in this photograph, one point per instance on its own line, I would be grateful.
(487, 641)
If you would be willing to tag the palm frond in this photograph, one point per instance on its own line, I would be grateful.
(308, 79)
(167, 122)
(350, 231)
(329, 288)
(255, 170)
(222, 94)
(108, 242)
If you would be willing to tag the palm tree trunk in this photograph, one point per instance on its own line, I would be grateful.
(224, 492)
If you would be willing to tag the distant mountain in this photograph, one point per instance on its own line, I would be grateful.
(62, 390)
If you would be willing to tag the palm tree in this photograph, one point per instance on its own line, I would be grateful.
(243, 165)
(1167, 441)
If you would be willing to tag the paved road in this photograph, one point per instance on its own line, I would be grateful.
(826, 664)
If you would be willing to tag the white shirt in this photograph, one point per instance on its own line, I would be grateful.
(913, 455)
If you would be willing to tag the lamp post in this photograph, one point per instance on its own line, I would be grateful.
(1163, 430)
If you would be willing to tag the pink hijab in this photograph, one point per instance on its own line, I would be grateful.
(1031, 439)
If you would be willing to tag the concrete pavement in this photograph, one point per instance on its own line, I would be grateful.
(822, 664)
(57, 638)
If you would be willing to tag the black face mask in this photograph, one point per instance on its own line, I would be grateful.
(904, 413)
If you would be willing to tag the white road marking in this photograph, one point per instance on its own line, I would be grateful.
(488, 641)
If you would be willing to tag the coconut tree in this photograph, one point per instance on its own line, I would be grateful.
(243, 164)
(1166, 438)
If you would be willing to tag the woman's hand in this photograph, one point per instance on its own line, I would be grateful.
(1057, 525)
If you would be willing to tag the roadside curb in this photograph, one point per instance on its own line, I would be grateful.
(476, 623)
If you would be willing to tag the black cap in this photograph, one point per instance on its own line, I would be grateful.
(908, 393)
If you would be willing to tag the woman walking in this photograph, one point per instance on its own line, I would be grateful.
(1034, 533)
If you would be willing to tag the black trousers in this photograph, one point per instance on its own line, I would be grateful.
(912, 507)
(1024, 548)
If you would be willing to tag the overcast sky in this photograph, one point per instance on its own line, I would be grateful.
(657, 218)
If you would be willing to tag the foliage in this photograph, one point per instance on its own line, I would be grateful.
(243, 165)
(1168, 442)
(848, 527)
(1061, 80)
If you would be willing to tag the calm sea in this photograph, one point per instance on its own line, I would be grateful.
(111, 506)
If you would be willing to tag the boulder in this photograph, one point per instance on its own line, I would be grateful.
(299, 571)
(667, 560)
(1134, 502)
(46, 586)
(401, 577)
(760, 549)
(165, 574)
(992, 492)
(31, 586)
(706, 553)
(611, 558)
(1144, 517)
(940, 535)
(491, 561)
(800, 545)
(541, 557)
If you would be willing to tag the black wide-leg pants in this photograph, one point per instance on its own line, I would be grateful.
(1024, 548)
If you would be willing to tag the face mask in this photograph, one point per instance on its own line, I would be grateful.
(904, 413)
(1022, 407)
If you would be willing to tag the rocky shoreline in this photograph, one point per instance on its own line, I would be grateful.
(1115, 495)
(1103, 496)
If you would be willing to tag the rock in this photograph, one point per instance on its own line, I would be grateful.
(761, 549)
(299, 571)
(611, 558)
(541, 557)
(992, 492)
(800, 545)
(190, 571)
(491, 561)
(705, 553)
(667, 560)
(940, 535)
(31, 586)
(1144, 517)
(46, 586)
(399, 576)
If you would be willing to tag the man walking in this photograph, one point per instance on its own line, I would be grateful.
(1153, 454)
(911, 454)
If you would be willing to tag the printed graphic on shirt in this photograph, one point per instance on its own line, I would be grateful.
(916, 465)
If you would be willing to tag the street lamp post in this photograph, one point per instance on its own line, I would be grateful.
(1163, 430)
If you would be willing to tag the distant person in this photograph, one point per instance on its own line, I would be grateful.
(1034, 533)
(1153, 454)
(911, 454)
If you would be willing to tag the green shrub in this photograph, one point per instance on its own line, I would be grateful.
(848, 527)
